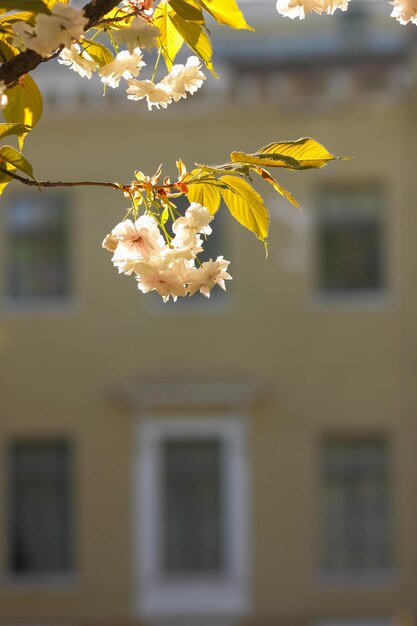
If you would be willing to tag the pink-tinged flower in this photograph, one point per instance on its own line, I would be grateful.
(125, 65)
(82, 63)
(184, 79)
(205, 277)
(139, 33)
(405, 11)
(167, 281)
(299, 8)
(156, 95)
(142, 238)
(110, 243)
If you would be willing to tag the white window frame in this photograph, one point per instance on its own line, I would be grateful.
(223, 594)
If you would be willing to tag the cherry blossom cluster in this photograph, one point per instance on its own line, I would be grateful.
(65, 27)
(405, 11)
(170, 269)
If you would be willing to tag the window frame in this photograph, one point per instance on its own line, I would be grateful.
(57, 579)
(377, 578)
(225, 593)
(39, 305)
(352, 299)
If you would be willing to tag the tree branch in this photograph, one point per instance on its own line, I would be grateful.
(27, 61)
(77, 183)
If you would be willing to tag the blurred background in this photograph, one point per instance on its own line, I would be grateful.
(248, 459)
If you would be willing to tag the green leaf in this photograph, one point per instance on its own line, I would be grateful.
(206, 194)
(25, 5)
(276, 185)
(226, 12)
(25, 105)
(197, 39)
(302, 154)
(246, 205)
(170, 39)
(98, 52)
(239, 168)
(189, 10)
(11, 156)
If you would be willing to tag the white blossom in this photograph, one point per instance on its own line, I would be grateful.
(3, 97)
(330, 6)
(142, 238)
(299, 8)
(405, 11)
(167, 281)
(61, 27)
(185, 78)
(156, 95)
(139, 33)
(125, 65)
(209, 274)
(196, 220)
(82, 63)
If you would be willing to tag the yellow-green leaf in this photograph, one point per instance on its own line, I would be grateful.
(276, 185)
(12, 129)
(11, 156)
(170, 39)
(246, 205)
(205, 194)
(196, 38)
(226, 12)
(189, 10)
(99, 53)
(25, 104)
(302, 154)
(4, 179)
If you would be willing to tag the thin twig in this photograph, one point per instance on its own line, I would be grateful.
(76, 183)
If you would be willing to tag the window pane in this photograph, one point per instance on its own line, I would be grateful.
(191, 508)
(37, 247)
(356, 512)
(40, 507)
(350, 240)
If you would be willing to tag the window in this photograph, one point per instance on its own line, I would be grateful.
(192, 515)
(40, 520)
(37, 248)
(356, 524)
(191, 554)
(350, 241)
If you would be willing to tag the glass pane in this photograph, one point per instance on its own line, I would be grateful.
(350, 240)
(37, 247)
(192, 529)
(40, 522)
(356, 512)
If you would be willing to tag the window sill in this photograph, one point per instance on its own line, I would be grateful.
(65, 307)
(337, 581)
(47, 583)
(342, 301)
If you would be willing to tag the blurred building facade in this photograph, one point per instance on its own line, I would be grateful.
(247, 459)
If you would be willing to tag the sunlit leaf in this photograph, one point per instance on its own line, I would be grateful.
(11, 156)
(276, 185)
(197, 39)
(189, 10)
(206, 194)
(170, 39)
(246, 205)
(302, 154)
(12, 129)
(25, 104)
(4, 179)
(226, 12)
(99, 53)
